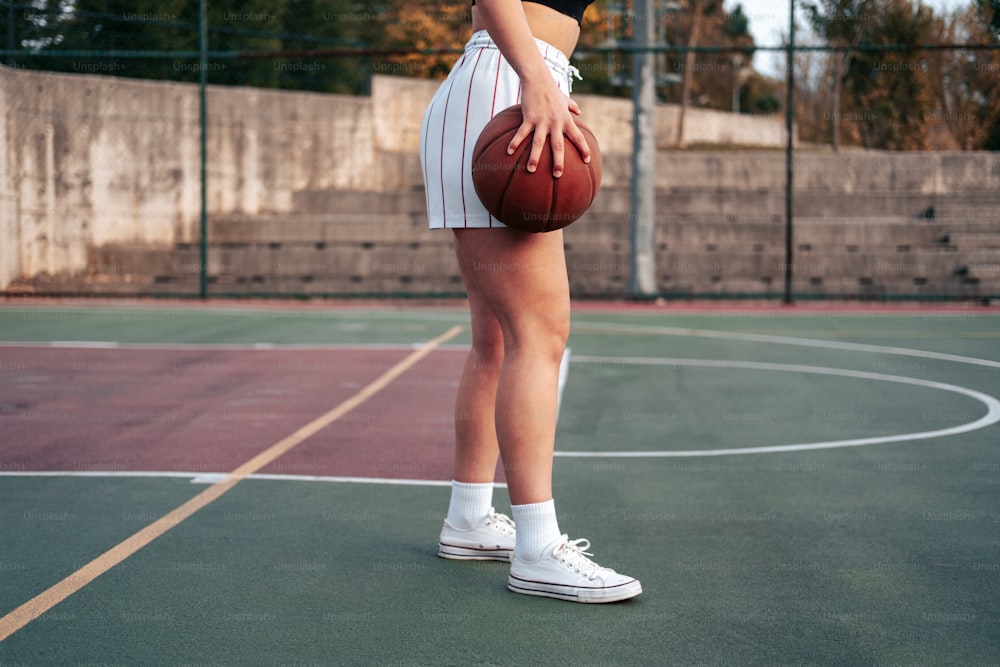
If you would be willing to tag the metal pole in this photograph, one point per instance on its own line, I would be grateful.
(642, 279)
(203, 117)
(789, 115)
(10, 34)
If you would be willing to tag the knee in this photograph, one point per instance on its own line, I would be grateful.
(544, 332)
(559, 333)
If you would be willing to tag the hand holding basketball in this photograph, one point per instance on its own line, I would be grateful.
(548, 113)
(532, 201)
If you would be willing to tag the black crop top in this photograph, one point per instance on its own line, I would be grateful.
(574, 8)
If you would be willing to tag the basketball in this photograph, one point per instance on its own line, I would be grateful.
(532, 202)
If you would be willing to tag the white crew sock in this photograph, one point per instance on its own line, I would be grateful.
(537, 528)
(470, 504)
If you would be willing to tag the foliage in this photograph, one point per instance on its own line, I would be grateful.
(901, 98)
(896, 99)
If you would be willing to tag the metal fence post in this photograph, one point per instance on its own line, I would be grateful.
(203, 119)
(642, 281)
(789, 116)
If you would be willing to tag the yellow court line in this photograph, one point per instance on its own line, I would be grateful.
(46, 600)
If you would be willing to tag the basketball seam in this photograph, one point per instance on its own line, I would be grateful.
(503, 193)
(517, 165)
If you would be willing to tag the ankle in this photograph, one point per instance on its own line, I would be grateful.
(470, 504)
(537, 528)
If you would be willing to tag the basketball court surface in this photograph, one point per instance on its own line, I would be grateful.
(251, 483)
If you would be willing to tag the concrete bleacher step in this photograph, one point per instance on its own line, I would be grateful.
(738, 235)
(248, 285)
(350, 260)
(713, 265)
(116, 285)
(861, 287)
(987, 271)
(727, 287)
(116, 261)
(915, 263)
(975, 240)
(338, 267)
(329, 285)
(325, 201)
(979, 264)
(706, 240)
(326, 227)
(975, 220)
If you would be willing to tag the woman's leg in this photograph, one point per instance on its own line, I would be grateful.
(519, 303)
(517, 287)
(476, 448)
(517, 282)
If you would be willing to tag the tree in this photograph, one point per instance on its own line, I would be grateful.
(422, 26)
(714, 79)
(34, 28)
(813, 91)
(172, 25)
(841, 24)
(890, 90)
(966, 83)
(698, 9)
(118, 25)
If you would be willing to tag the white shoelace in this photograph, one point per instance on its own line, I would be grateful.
(573, 554)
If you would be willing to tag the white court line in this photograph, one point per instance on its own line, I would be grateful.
(236, 312)
(583, 326)
(99, 344)
(212, 477)
(237, 347)
(991, 417)
(783, 340)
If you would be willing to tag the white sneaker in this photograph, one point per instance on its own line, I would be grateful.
(564, 571)
(491, 540)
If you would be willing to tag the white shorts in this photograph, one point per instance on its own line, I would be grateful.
(481, 85)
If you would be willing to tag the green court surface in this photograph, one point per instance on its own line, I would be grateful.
(792, 487)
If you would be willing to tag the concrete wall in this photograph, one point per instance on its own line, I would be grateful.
(402, 103)
(89, 160)
(92, 160)
(9, 238)
(100, 175)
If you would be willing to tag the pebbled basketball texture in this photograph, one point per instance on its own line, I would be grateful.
(532, 202)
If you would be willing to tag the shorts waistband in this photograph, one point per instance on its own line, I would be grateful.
(553, 57)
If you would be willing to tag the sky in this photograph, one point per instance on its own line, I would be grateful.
(769, 20)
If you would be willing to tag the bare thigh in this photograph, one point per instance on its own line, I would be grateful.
(520, 280)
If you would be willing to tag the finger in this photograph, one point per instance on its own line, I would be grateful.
(574, 108)
(537, 144)
(558, 154)
(580, 141)
(519, 136)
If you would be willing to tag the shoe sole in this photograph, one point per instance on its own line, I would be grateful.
(453, 552)
(629, 589)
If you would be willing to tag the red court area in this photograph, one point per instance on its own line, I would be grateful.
(204, 410)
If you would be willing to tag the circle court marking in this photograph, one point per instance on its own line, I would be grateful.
(991, 417)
